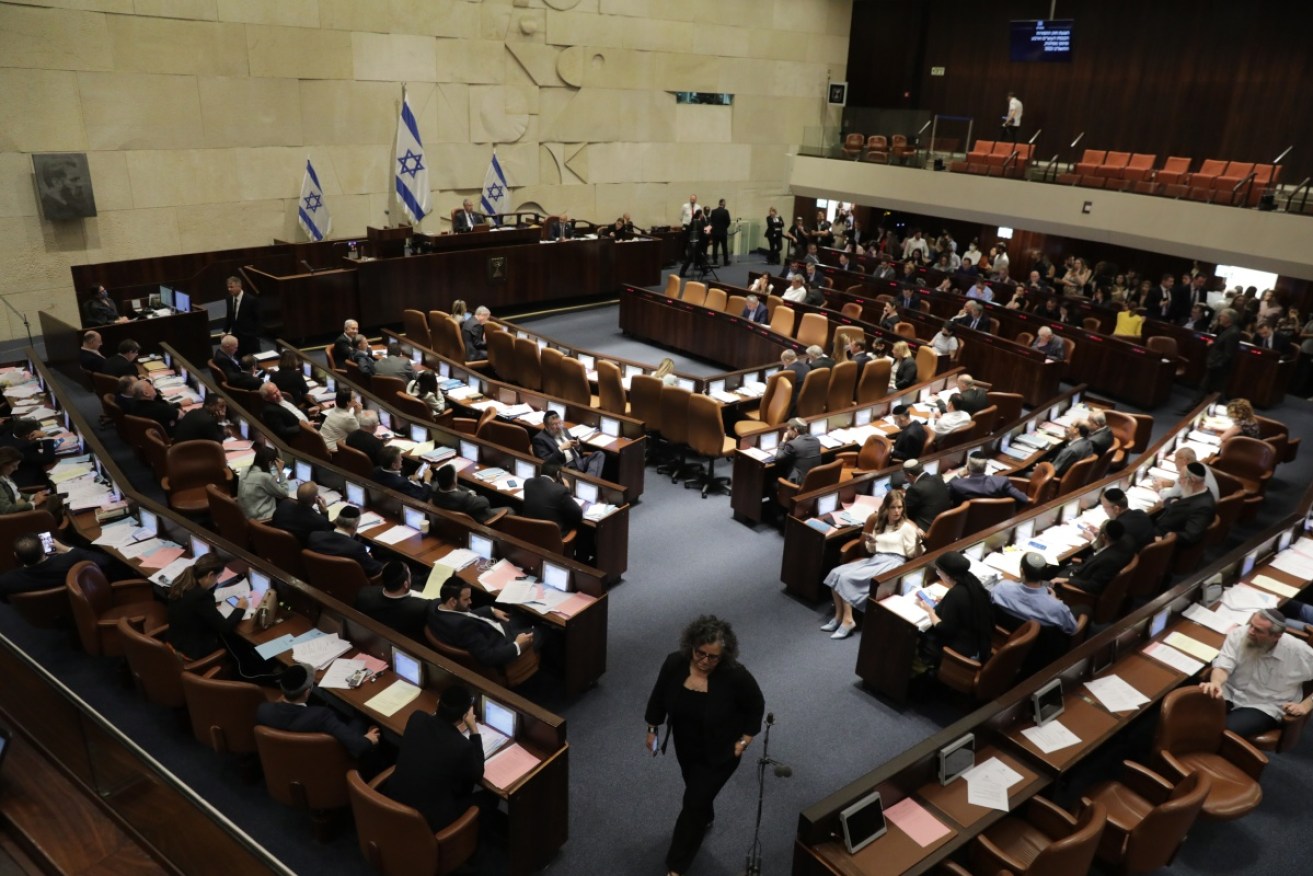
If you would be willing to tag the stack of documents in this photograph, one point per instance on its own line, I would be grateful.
(462, 392)
(1213, 620)
(396, 534)
(503, 573)
(988, 783)
(1295, 561)
(392, 698)
(1182, 663)
(321, 651)
(1115, 694)
(339, 673)
(598, 510)
(1051, 736)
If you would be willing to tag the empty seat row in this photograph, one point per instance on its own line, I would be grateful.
(1239, 183)
(1001, 158)
(879, 148)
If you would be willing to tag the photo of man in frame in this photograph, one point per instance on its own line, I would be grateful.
(63, 184)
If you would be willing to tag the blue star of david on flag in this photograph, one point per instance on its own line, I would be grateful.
(313, 202)
(496, 193)
(411, 163)
(312, 213)
(412, 176)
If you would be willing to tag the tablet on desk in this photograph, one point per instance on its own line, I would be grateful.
(407, 667)
(496, 726)
(863, 822)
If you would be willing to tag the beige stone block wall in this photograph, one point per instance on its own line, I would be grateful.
(197, 116)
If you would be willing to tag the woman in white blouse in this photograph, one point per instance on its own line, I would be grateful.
(261, 486)
(425, 388)
(892, 541)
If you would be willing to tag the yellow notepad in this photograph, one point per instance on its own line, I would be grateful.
(390, 700)
(1193, 647)
(437, 577)
(1272, 585)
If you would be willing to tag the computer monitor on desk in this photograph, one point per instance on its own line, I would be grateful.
(181, 301)
(556, 577)
(355, 495)
(481, 545)
(166, 296)
(407, 667)
(498, 728)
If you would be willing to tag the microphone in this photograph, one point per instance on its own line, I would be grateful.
(309, 267)
(782, 770)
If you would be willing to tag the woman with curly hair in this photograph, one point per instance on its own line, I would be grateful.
(1243, 421)
(713, 707)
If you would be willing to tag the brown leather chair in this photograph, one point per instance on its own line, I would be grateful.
(781, 320)
(223, 712)
(331, 359)
(873, 456)
(735, 303)
(706, 437)
(413, 407)
(826, 475)
(511, 436)
(355, 461)
(927, 363)
(813, 329)
(983, 514)
(852, 145)
(1249, 460)
(340, 577)
(397, 841)
(755, 420)
(674, 429)
(1077, 475)
(574, 383)
(543, 533)
(947, 527)
(986, 420)
(156, 668)
(815, 387)
(1103, 462)
(104, 384)
(843, 383)
(20, 523)
(672, 285)
(309, 442)
(611, 389)
(549, 359)
(695, 292)
(528, 366)
(1285, 736)
(1166, 348)
(716, 299)
(1278, 435)
(192, 465)
(44, 609)
(155, 449)
(873, 385)
(277, 546)
(1148, 817)
(509, 676)
(1009, 405)
(1154, 560)
(1040, 487)
(1106, 607)
(851, 309)
(1046, 841)
(877, 149)
(1025, 339)
(988, 679)
(501, 354)
(110, 412)
(415, 326)
(305, 771)
(97, 606)
(645, 401)
(1192, 737)
(228, 517)
(133, 430)
(905, 330)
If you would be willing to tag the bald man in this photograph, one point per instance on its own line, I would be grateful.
(306, 514)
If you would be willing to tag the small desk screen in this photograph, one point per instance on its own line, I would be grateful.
(556, 577)
(585, 491)
(481, 545)
(304, 473)
(418, 434)
(498, 717)
(413, 517)
(469, 450)
(198, 548)
(406, 666)
(355, 495)
(149, 521)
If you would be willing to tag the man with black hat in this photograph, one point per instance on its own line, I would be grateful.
(392, 604)
(911, 435)
(293, 712)
(1032, 598)
(342, 542)
(1137, 525)
(799, 452)
(1189, 516)
(927, 495)
(547, 498)
(441, 760)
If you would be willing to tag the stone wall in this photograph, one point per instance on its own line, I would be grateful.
(197, 115)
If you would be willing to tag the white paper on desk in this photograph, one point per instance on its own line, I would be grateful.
(321, 651)
(728, 398)
(1201, 450)
(462, 392)
(908, 609)
(1115, 694)
(995, 769)
(599, 510)
(1242, 597)
(396, 534)
(459, 558)
(1051, 737)
(1210, 619)
(533, 418)
(758, 454)
(601, 439)
(988, 783)
(116, 534)
(338, 673)
(392, 698)
(582, 430)
(1303, 545)
(241, 589)
(166, 576)
(403, 444)
(141, 548)
(1181, 662)
(85, 500)
(24, 390)
(518, 592)
(1142, 498)
(1009, 562)
(831, 441)
(1295, 563)
(517, 410)
(1163, 474)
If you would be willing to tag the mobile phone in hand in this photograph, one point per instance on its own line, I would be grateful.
(233, 600)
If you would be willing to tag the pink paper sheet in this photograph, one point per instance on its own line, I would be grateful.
(161, 558)
(575, 604)
(508, 766)
(913, 819)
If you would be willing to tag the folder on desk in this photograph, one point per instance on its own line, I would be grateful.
(1193, 647)
(510, 765)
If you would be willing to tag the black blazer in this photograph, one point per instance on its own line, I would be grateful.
(904, 373)
(229, 364)
(545, 499)
(464, 630)
(246, 323)
(343, 347)
(437, 769)
(1223, 350)
(758, 315)
(1096, 573)
(283, 422)
(545, 448)
(37, 455)
(1138, 526)
(366, 443)
(198, 424)
(195, 626)
(974, 400)
(799, 456)
(734, 705)
(1074, 452)
(407, 614)
(1188, 517)
(395, 481)
(464, 221)
(464, 501)
(119, 366)
(1101, 440)
(291, 516)
(909, 442)
(926, 499)
(163, 412)
(90, 360)
(338, 544)
(291, 382)
(242, 380)
(314, 719)
(50, 572)
(475, 345)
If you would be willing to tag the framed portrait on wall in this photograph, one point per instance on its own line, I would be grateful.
(63, 185)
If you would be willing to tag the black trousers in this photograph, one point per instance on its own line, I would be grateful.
(776, 243)
(1009, 133)
(720, 241)
(1249, 722)
(702, 782)
(696, 256)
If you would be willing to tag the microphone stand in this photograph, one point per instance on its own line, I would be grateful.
(26, 325)
(752, 866)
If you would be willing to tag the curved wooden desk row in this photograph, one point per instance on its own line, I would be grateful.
(998, 724)
(625, 455)
(611, 533)
(1259, 375)
(754, 479)
(809, 553)
(189, 332)
(584, 633)
(537, 804)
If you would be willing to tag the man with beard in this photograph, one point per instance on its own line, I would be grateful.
(1260, 673)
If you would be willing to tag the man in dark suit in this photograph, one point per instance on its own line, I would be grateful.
(789, 361)
(560, 228)
(37, 451)
(1077, 448)
(124, 362)
(36, 571)
(754, 310)
(392, 604)
(345, 344)
(282, 417)
(245, 378)
(974, 398)
(1052, 348)
(304, 516)
(388, 473)
(204, 423)
(1220, 358)
(719, 221)
(972, 317)
(476, 347)
(364, 439)
(1159, 300)
(1137, 525)
(818, 358)
(774, 236)
(438, 766)
(147, 403)
(976, 484)
(858, 355)
(553, 444)
(907, 299)
(486, 632)
(226, 356)
(911, 435)
(450, 497)
(1189, 516)
(342, 542)
(798, 453)
(1101, 436)
(293, 712)
(546, 498)
(89, 355)
(926, 497)
(466, 219)
(243, 318)
(1096, 573)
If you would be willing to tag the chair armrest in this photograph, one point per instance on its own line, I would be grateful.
(957, 671)
(496, 516)
(989, 858)
(568, 538)
(1075, 597)
(1145, 782)
(848, 458)
(1050, 818)
(1020, 483)
(203, 665)
(851, 549)
(132, 590)
(1243, 754)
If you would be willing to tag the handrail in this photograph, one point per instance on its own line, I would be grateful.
(1247, 183)
(1302, 187)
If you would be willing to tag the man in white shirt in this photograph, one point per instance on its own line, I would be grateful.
(1260, 673)
(796, 291)
(686, 212)
(1012, 121)
(341, 420)
(1183, 457)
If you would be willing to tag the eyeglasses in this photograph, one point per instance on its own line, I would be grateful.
(705, 656)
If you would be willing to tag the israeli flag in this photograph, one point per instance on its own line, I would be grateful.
(496, 194)
(411, 172)
(312, 212)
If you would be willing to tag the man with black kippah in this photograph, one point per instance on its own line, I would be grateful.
(1095, 574)
(911, 435)
(392, 604)
(342, 542)
(1137, 525)
(441, 760)
(293, 712)
(449, 496)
